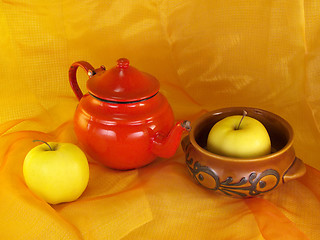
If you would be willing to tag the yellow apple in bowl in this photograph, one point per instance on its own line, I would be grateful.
(56, 172)
(239, 136)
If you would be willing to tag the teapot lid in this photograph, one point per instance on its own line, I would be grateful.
(122, 84)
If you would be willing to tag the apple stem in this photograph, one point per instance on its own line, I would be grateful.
(244, 114)
(44, 143)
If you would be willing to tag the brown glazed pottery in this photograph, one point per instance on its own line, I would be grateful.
(238, 177)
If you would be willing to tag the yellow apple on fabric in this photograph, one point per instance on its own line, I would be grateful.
(240, 137)
(56, 172)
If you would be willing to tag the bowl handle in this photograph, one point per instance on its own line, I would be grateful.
(185, 142)
(296, 170)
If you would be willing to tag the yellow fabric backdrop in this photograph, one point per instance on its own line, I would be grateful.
(206, 55)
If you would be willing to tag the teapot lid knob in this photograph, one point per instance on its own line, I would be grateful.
(123, 63)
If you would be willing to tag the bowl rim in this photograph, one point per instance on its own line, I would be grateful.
(282, 121)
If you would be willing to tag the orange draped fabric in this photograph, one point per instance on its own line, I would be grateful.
(206, 55)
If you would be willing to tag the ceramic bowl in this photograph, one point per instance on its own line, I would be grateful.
(238, 177)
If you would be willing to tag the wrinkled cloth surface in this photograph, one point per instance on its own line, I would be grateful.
(206, 55)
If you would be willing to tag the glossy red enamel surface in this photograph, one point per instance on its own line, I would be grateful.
(122, 83)
(124, 134)
(120, 135)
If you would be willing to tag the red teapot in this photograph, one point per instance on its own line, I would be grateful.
(123, 121)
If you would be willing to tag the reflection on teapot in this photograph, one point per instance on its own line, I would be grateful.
(123, 121)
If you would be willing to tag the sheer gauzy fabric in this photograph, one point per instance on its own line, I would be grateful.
(206, 55)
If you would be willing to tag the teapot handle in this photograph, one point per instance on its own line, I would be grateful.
(73, 76)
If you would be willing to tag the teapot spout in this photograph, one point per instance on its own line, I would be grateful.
(166, 147)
